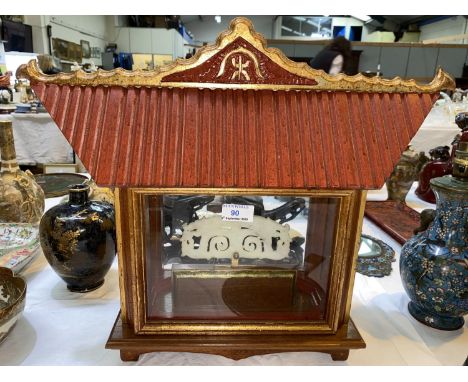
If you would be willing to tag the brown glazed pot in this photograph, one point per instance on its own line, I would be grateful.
(78, 239)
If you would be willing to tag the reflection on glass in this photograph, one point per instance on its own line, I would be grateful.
(369, 247)
(196, 231)
(225, 257)
(374, 257)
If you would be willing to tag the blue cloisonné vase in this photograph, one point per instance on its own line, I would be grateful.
(434, 263)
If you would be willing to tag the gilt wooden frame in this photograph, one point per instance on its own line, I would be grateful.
(129, 211)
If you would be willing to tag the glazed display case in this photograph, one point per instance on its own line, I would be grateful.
(242, 265)
(258, 259)
(240, 182)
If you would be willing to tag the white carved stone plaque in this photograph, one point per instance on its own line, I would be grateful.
(212, 237)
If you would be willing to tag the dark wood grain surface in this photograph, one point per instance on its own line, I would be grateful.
(395, 218)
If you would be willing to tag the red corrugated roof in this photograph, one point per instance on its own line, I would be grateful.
(237, 114)
(187, 137)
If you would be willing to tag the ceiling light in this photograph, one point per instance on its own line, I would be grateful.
(362, 17)
(218, 19)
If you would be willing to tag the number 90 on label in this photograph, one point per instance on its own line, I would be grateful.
(237, 212)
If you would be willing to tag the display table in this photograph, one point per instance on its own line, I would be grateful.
(438, 129)
(38, 140)
(63, 328)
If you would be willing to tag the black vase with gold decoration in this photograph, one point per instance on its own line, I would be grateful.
(78, 239)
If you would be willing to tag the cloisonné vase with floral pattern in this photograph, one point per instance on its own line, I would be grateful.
(78, 239)
(434, 263)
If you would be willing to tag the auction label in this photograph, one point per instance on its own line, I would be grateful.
(237, 212)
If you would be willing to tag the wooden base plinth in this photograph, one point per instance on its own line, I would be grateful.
(236, 347)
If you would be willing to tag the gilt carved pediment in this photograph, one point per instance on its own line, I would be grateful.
(240, 63)
(240, 59)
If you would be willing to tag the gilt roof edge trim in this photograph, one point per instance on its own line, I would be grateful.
(243, 28)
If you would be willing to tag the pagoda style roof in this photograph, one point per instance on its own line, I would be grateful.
(236, 115)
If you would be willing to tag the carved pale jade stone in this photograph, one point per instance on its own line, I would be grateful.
(211, 237)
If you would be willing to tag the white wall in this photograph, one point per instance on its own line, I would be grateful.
(39, 33)
(101, 30)
(95, 26)
(379, 36)
(76, 28)
(14, 60)
(98, 30)
(208, 29)
(448, 27)
(151, 41)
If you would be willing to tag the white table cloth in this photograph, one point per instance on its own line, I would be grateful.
(63, 328)
(438, 129)
(38, 140)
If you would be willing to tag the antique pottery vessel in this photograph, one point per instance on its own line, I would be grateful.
(441, 160)
(434, 263)
(78, 239)
(100, 194)
(461, 120)
(12, 300)
(404, 174)
(439, 165)
(21, 198)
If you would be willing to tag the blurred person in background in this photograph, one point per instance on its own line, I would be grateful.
(333, 59)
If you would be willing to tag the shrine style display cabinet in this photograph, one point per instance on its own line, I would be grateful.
(240, 180)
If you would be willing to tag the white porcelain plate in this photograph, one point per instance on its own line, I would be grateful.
(19, 245)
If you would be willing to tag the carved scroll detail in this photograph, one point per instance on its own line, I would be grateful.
(213, 238)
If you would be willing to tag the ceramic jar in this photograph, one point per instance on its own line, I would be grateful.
(404, 174)
(434, 263)
(12, 300)
(440, 165)
(78, 239)
(100, 194)
(21, 198)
